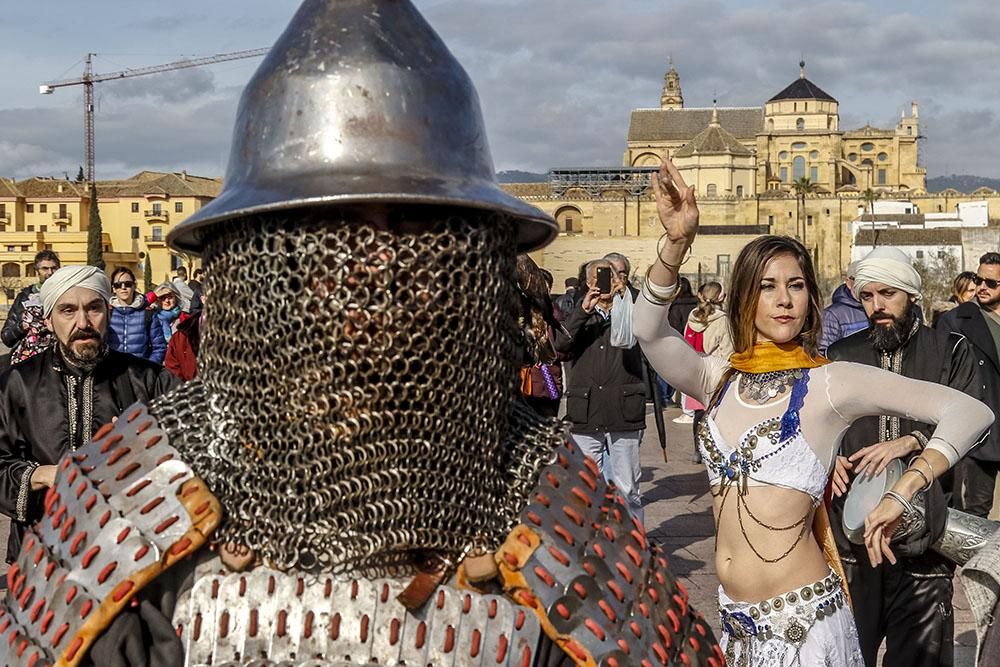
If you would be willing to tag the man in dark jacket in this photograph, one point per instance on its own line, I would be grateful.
(908, 604)
(844, 316)
(24, 331)
(605, 394)
(979, 321)
(55, 401)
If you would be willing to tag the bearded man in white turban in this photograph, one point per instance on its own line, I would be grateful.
(907, 603)
(55, 401)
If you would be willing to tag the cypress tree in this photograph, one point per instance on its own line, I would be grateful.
(95, 233)
(147, 273)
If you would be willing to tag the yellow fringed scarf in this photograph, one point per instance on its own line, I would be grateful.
(769, 357)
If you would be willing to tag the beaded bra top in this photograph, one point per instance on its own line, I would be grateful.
(771, 452)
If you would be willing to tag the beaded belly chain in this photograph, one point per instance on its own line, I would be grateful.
(737, 469)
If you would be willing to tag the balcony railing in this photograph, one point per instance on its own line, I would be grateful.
(158, 214)
(155, 240)
(58, 217)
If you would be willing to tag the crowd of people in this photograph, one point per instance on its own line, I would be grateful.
(140, 324)
(368, 453)
(84, 345)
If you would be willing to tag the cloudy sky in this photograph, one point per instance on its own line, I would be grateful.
(557, 78)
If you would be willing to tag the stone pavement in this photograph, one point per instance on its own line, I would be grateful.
(679, 517)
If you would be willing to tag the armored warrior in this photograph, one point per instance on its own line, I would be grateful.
(351, 479)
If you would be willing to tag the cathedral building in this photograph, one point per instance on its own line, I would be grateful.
(745, 151)
(785, 167)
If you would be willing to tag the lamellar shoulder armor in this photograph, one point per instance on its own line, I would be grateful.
(124, 508)
(581, 562)
(577, 580)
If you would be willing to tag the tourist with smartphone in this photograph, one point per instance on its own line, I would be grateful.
(605, 392)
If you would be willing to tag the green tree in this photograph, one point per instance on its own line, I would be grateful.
(802, 186)
(80, 176)
(868, 197)
(147, 273)
(95, 233)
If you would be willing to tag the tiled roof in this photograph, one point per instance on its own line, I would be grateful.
(527, 189)
(173, 184)
(8, 188)
(683, 124)
(905, 237)
(802, 89)
(38, 187)
(713, 140)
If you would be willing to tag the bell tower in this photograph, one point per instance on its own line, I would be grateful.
(671, 98)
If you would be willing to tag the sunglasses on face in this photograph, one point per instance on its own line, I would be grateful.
(124, 284)
(992, 284)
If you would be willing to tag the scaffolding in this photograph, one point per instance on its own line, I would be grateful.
(595, 180)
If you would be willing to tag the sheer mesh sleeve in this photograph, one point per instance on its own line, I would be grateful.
(857, 390)
(668, 352)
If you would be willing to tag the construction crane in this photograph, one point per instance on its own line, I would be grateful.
(89, 79)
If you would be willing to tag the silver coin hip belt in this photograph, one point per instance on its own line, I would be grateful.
(788, 617)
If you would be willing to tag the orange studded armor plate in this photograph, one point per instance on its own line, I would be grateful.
(601, 591)
(124, 508)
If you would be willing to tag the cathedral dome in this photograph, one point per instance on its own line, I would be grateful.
(802, 89)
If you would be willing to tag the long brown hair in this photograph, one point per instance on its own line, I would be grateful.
(745, 290)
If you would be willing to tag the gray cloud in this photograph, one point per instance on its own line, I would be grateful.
(584, 66)
(131, 135)
(175, 87)
(557, 79)
(166, 23)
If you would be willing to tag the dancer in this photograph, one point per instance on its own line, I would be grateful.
(775, 416)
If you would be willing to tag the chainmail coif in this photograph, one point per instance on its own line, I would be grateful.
(356, 400)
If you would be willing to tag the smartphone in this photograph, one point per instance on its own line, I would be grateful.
(604, 279)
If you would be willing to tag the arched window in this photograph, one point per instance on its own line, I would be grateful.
(770, 125)
(710, 189)
(800, 124)
(739, 190)
(11, 270)
(798, 168)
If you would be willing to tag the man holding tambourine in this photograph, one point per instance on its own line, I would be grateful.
(907, 603)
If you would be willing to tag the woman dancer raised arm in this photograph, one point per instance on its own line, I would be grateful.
(776, 413)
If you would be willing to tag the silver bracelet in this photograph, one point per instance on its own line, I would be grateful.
(927, 480)
(907, 507)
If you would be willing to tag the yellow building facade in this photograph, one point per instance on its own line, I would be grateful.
(137, 213)
(743, 163)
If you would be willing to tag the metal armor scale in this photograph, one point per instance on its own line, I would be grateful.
(576, 573)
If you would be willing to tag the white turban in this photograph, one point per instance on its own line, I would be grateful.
(69, 277)
(889, 266)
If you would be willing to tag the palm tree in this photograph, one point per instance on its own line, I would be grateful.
(802, 186)
(869, 196)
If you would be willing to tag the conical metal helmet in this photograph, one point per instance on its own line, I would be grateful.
(360, 101)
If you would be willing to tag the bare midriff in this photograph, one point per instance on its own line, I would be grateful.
(743, 574)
